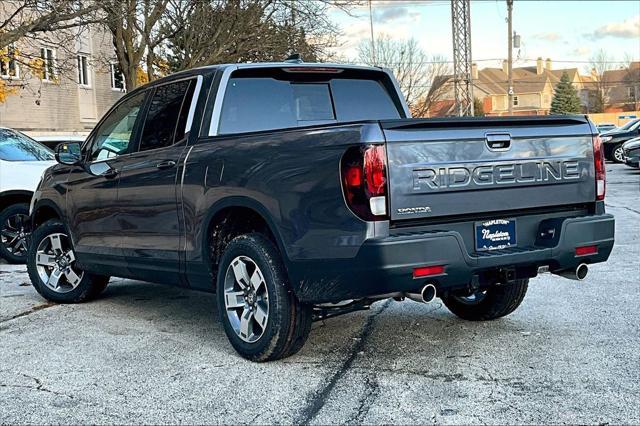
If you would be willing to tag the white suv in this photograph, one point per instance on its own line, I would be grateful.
(22, 162)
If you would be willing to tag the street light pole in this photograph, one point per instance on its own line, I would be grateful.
(510, 55)
(373, 42)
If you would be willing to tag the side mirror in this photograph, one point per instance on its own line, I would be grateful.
(68, 153)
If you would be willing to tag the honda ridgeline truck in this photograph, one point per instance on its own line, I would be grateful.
(298, 192)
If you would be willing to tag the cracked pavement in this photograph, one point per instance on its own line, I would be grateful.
(146, 353)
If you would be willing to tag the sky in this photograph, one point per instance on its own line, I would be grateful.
(568, 32)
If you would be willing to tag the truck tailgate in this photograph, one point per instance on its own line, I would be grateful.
(447, 167)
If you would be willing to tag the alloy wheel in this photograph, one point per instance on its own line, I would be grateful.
(618, 154)
(246, 299)
(14, 234)
(55, 263)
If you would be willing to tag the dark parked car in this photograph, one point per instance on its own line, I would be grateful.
(299, 192)
(631, 150)
(614, 139)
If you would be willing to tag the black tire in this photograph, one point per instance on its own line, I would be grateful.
(288, 323)
(491, 304)
(89, 286)
(15, 236)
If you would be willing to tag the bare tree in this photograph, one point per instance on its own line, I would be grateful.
(208, 32)
(30, 18)
(600, 62)
(422, 78)
(137, 32)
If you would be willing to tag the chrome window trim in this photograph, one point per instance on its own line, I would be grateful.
(214, 125)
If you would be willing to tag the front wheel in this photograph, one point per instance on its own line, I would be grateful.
(618, 154)
(489, 304)
(14, 233)
(51, 264)
(261, 316)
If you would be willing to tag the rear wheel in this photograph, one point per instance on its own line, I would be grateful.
(489, 304)
(53, 270)
(14, 233)
(261, 316)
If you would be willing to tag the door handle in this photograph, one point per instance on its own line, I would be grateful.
(498, 141)
(110, 174)
(166, 164)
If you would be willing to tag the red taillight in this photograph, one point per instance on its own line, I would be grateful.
(327, 70)
(353, 176)
(586, 250)
(364, 181)
(375, 170)
(598, 161)
(428, 271)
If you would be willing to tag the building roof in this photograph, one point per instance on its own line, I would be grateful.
(495, 81)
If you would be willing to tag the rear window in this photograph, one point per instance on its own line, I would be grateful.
(362, 100)
(17, 147)
(262, 103)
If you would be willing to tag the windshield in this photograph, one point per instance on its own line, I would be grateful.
(630, 125)
(18, 147)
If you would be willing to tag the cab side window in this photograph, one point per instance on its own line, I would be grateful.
(115, 134)
(167, 117)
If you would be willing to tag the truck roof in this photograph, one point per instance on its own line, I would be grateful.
(251, 65)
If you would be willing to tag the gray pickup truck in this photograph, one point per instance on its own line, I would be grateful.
(300, 191)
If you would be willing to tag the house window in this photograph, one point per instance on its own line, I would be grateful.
(515, 101)
(9, 63)
(83, 70)
(117, 79)
(48, 57)
(630, 92)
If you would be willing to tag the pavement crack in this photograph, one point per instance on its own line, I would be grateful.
(39, 386)
(315, 404)
(372, 390)
(624, 207)
(29, 311)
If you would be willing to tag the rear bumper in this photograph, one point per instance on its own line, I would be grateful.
(386, 265)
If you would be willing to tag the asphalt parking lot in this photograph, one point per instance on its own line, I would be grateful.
(146, 353)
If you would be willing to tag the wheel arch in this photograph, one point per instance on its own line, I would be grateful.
(232, 216)
(8, 198)
(43, 211)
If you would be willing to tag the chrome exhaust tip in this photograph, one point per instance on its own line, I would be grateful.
(581, 271)
(426, 295)
(579, 274)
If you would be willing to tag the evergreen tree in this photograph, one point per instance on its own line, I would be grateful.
(478, 108)
(565, 99)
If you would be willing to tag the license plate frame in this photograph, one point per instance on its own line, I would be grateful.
(495, 234)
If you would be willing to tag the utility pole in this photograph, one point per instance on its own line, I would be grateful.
(373, 41)
(462, 82)
(510, 56)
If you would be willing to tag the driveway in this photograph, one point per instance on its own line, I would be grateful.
(145, 353)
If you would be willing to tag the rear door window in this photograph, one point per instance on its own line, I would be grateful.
(167, 117)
